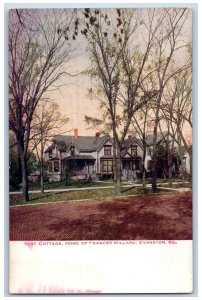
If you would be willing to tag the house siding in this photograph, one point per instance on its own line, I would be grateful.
(94, 153)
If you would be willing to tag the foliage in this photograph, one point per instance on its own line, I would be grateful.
(37, 60)
(32, 163)
(15, 176)
(14, 170)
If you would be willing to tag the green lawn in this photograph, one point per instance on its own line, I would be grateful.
(16, 199)
(71, 184)
(84, 183)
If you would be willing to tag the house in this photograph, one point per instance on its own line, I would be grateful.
(186, 159)
(87, 156)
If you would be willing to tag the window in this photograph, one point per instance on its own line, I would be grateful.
(107, 150)
(134, 150)
(50, 153)
(56, 166)
(50, 167)
(149, 151)
(107, 166)
(72, 150)
(136, 165)
(149, 165)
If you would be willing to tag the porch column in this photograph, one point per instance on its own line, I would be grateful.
(65, 171)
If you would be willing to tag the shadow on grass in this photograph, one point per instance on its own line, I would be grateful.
(139, 190)
(45, 195)
(129, 189)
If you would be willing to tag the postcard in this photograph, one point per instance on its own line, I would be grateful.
(100, 150)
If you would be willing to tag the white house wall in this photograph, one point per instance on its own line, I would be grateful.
(139, 150)
(187, 162)
(101, 151)
(54, 154)
(64, 154)
(46, 156)
(100, 154)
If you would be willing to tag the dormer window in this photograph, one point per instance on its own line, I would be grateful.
(72, 150)
(134, 150)
(107, 150)
(51, 153)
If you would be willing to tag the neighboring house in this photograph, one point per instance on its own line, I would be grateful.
(186, 162)
(186, 159)
(87, 156)
(149, 151)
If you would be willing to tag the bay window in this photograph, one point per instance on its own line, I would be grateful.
(107, 166)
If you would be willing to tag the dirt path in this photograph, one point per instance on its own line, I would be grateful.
(151, 217)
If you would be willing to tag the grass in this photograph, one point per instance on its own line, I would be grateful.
(176, 185)
(16, 199)
(75, 195)
(84, 183)
(71, 184)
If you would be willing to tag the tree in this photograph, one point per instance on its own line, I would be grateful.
(14, 167)
(37, 60)
(178, 112)
(47, 122)
(169, 45)
(118, 69)
(141, 122)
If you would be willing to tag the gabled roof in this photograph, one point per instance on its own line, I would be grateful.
(128, 142)
(83, 143)
(149, 141)
(93, 143)
(51, 147)
(160, 137)
(61, 148)
(182, 148)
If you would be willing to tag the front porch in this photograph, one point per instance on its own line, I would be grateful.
(78, 167)
(131, 167)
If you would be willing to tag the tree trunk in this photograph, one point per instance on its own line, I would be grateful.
(117, 168)
(42, 171)
(154, 160)
(42, 177)
(114, 166)
(190, 163)
(118, 172)
(24, 179)
(170, 163)
(144, 170)
(182, 165)
(154, 174)
(170, 177)
(19, 168)
(144, 184)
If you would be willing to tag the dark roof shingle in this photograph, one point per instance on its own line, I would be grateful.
(83, 143)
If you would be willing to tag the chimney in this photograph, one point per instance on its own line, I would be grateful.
(76, 133)
(97, 134)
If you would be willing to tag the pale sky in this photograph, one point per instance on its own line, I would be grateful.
(73, 97)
